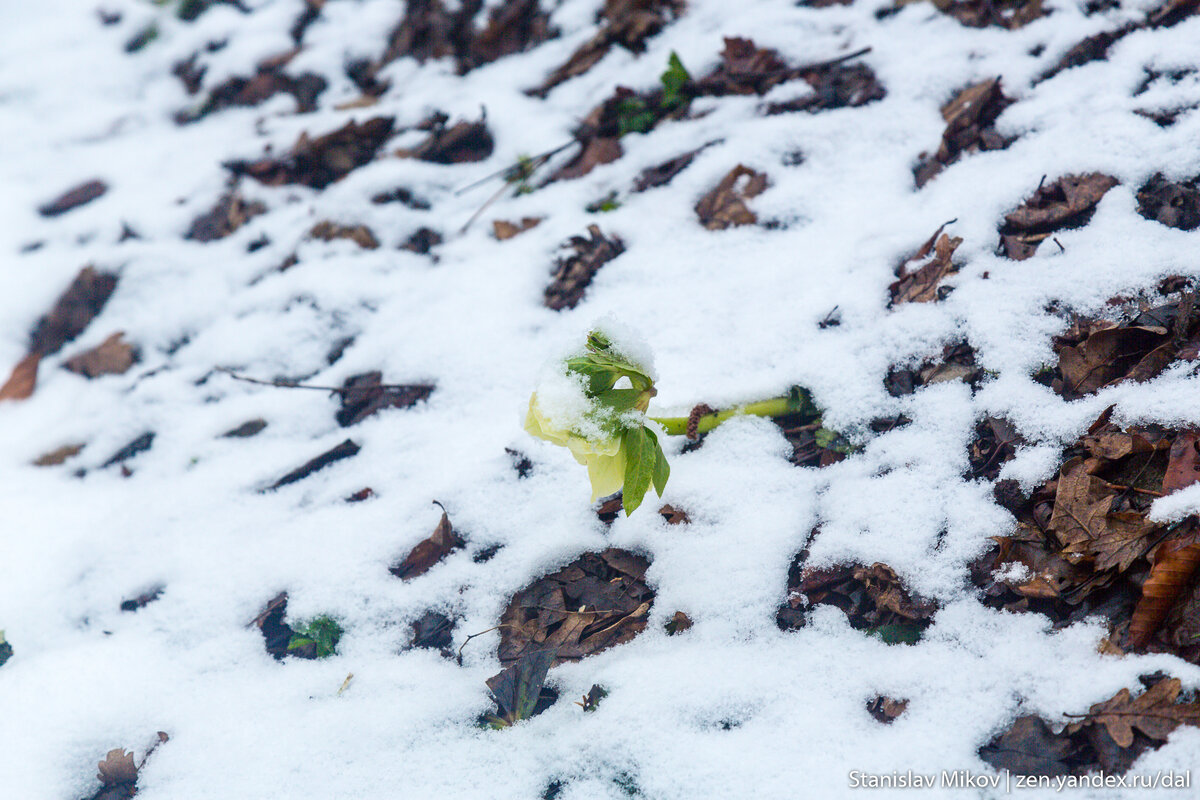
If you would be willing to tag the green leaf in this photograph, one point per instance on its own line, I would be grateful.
(322, 632)
(673, 81)
(897, 634)
(619, 400)
(516, 690)
(633, 116)
(799, 401)
(662, 470)
(641, 449)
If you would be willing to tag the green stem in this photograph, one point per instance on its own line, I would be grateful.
(775, 407)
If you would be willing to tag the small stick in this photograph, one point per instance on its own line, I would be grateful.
(282, 384)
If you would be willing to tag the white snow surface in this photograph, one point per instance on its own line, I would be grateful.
(731, 317)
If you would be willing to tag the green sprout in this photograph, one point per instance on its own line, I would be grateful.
(520, 173)
(605, 204)
(318, 638)
(636, 115)
(673, 80)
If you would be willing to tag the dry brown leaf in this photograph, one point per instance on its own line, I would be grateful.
(1175, 562)
(920, 285)
(73, 310)
(1085, 524)
(230, 213)
(361, 235)
(58, 455)
(725, 206)
(78, 196)
(117, 768)
(574, 274)
(1183, 466)
(1108, 356)
(595, 602)
(113, 356)
(886, 709)
(1153, 712)
(969, 117)
(21, 382)
(428, 552)
(503, 229)
(1067, 202)
(321, 161)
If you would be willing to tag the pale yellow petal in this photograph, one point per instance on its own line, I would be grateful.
(607, 474)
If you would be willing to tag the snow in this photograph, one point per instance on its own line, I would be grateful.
(730, 317)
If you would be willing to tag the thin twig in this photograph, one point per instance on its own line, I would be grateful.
(282, 384)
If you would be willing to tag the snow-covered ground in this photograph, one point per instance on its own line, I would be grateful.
(733, 707)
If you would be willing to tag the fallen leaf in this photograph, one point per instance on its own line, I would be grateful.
(725, 206)
(573, 274)
(1154, 712)
(139, 445)
(1085, 523)
(230, 213)
(512, 27)
(503, 230)
(269, 79)
(460, 143)
(321, 161)
(873, 598)
(1172, 12)
(597, 601)
(1093, 48)
(678, 623)
(1174, 204)
(361, 235)
(142, 600)
(1175, 562)
(969, 116)
(430, 30)
(886, 709)
(1010, 14)
(1066, 203)
(595, 150)
(74, 309)
(744, 69)
(113, 356)
(276, 633)
(422, 241)
(626, 23)
(364, 395)
(433, 631)
(1109, 355)
(246, 429)
(674, 516)
(1183, 464)
(118, 768)
(344, 450)
(833, 86)
(1029, 747)
(58, 455)
(662, 174)
(23, 380)
(517, 689)
(918, 283)
(443, 541)
(73, 198)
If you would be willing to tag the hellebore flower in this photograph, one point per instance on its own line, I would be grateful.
(604, 458)
(594, 404)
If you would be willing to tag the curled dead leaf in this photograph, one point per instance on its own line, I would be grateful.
(725, 206)
(113, 356)
(21, 382)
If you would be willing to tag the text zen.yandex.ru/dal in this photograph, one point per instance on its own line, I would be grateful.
(965, 779)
